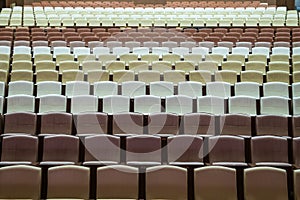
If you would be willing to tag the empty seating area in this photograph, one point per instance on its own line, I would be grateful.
(173, 14)
(119, 100)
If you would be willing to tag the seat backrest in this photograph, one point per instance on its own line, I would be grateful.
(20, 182)
(166, 182)
(68, 182)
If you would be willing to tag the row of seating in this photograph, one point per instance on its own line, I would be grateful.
(159, 182)
(260, 31)
(149, 150)
(174, 104)
(232, 39)
(131, 4)
(160, 89)
(117, 48)
(116, 22)
(126, 123)
(119, 76)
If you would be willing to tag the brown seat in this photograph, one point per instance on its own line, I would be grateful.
(217, 178)
(68, 182)
(56, 123)
(143, 150)
(20, 122)
(185, 150)
(60, 149)
(163, 123)
(274, 148)
(235, 124)
(19, 149)
(20, 182)
(272, 125)
(91, 123)
(102, 150)
(296, 126)
(166, 182)
(117, 182)
(227, 150)
(296, 152)
(128, 123)
(199, 123)
(262, 183)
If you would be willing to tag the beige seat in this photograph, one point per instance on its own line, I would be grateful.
(97, 75)
(278, 76)
(232, 65)
(138, 66)
(174, 76)
(68, 65)
(120, 76)
(46, 75)
(228, 76)
(256, 65)
(148, 76)
(161, 66)
(252, 76)
(72, 75)
(186, 66)
(202, 76)
(21, 75)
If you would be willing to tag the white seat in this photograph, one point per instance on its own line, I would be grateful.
(219, 89)
(75, 88)
(120, 50)
(190, 88)
(133, 88)
(296, 89)
(211, 104)
(61, 50)
(20, 87)
(220, 50)
(296, 106)
(276, 89)
(5, 50)
(22, 50)
(20, 103)
(116, 103)
(261, 50)
(281, 51)
(179, 104)
(84, 103)
(249, 89)
(147, 104)
(105, 88)
(274, 106)
(101, 51)
(242, 104)
(160, 50)
(296, 50)
(48, 87)
(41, 50)
(241, 51)
(53, 103)
(161, 88)
(140, 50)
(81, 51)
(180, 51)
